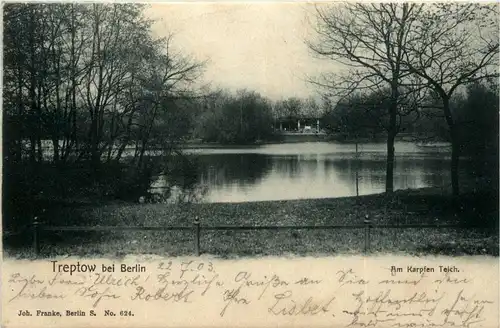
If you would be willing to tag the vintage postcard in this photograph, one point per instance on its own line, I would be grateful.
(250, 164)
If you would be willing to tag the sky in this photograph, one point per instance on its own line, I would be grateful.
(258, 46)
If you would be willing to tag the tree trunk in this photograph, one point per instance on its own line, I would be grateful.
(142, 152)
(391, 136)
(455, 159)
(20, 119)
(32, 150)
(389, 174)
(32, 91)
(455, 146)
(55, 144)
(73, 78)
(95, 156)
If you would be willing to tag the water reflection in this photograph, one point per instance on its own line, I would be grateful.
(218, 170)
(312, 170)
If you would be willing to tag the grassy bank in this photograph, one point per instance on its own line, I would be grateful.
(479, 212)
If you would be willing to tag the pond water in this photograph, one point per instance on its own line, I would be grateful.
(312, 170)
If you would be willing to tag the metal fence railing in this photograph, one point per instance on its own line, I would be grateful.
(196, 228)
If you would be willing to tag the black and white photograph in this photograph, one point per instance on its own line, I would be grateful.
(250, 164)
(245, 130)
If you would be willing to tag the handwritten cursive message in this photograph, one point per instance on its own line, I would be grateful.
(327, 292)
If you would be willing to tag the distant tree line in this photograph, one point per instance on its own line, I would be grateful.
(244, 117)
(296, 108)
(247, 117)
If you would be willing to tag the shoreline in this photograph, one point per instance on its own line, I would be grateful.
(323, 139)
(419, 206)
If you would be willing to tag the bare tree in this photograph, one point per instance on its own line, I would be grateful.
(290, 107)
(368, 41)
(453, 45)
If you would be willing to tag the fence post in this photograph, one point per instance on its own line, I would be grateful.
(36, 243)
(357, 184)
(367, 223)
(196, 224)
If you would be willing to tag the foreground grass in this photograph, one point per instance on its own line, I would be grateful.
(477, 212)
